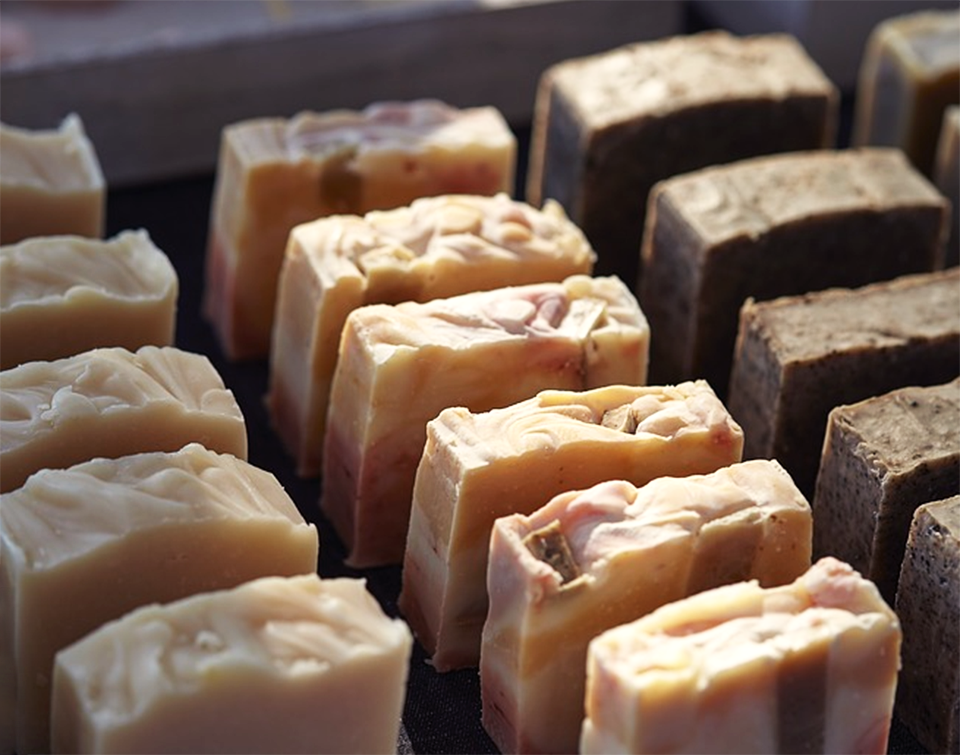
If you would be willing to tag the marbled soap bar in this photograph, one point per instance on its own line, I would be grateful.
(773, 226)
(82, 546)
(479, 466)
(806, 667)
(276, 665)
(401, 365)
(607, 127)
(593, 559)
(112, 402)
(798, 357)
(61, 295)
(50, 183)
(274, 174)
(435, 247)
(946, 176)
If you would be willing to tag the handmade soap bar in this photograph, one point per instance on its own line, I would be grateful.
(607, 127)
(276, 665)
(112, 402)
(883, 457)
(436, 247)
(477, 467)
(593, 559)
(909, 74)
(274, 174)
(82, 546)
(798, 357)
(928, 605)
(773, 226)
(50, 183)
(946, 176)
(401, 365)
(806, 667)
(60, 295)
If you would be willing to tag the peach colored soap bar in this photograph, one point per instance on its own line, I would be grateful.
(85, 545)
(806, 667)
(477, 467)
(274, 174)
(112, 402)
(276, 665)
(593, 559)
(50, 183)
(401, 365)
(60, 295)
(433, 248)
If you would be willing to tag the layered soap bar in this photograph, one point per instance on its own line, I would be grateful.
(882, 458)
(50, 183)
(946, 176)
(62, 295)
(909, 74)
(593, 559)
(274, 174)
(112, 402)
(607, 127)
(435, 247)
(276, 665)
(928, 605)
(798, 357)
(82, 546)
(401, 365)
(773, 226)
(806, 667)
(477, 467)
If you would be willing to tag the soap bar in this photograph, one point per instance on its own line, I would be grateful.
(276, 665)
(946, 176)
(112, 402)
(607, 127)
(275, 173)
(928, 605)
(82, 546)
(772, 226)
(593, 559)
(806, 667)
(882, 458)
(909, 74)
(62, 295)
(436, 247)
(797, 357)
(477, 467)
(401, 365)
(50, 183)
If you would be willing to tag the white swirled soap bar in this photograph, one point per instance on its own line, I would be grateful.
(479, 466)
(433, 248)
(277, 665)
(85, 545)
(112, 402)
(401, 365)
(61, 295)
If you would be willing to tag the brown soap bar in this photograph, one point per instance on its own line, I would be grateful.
(774, 226)
(882, 458)
(909, 74)
(946, 175)
(608, 127)
(798, 357)
(928, 604)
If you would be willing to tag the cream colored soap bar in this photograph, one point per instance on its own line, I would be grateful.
(807, 667)
(50, 183)
(273, 666)
(401, 365)
(435, 247)
(477, 467)
(112, 402)
(274, 174)
(60, 295)
(593, 559)
(83, 546)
